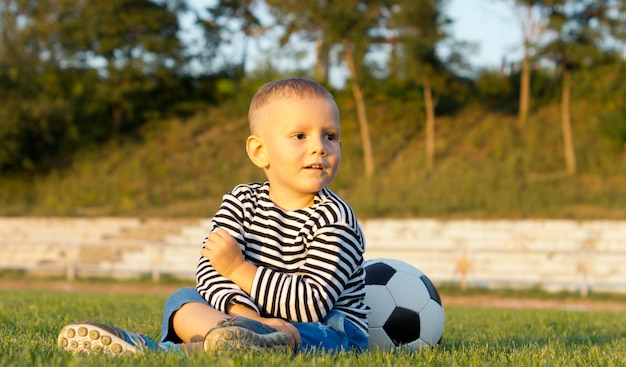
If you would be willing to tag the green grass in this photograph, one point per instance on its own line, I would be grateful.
(30, 321)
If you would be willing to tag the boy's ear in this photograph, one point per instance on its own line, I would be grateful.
(256, 151)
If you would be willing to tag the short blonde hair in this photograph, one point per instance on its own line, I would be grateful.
(283, 89)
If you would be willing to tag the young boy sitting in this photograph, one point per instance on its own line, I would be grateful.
(282, 266)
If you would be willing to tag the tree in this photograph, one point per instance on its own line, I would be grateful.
(64, 63)
(583, 33)
(134, 38)
(532, 26)
(422, 28)
(303, 19)
(35, 117)
(345, 26)
(233, 17)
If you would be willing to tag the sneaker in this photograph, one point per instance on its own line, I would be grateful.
(240, 333)
(90, 337)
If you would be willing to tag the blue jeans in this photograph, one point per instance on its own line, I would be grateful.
(333, 333)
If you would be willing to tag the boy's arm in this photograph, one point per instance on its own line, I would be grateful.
(219, 291)
(227, 259)
(237, 309)
(333, 262)
(333, 256)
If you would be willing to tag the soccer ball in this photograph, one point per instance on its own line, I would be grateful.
(406, 307)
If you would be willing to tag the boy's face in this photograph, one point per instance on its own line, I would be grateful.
(300, 138)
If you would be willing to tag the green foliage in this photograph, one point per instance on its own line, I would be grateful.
(496, 91)
(580, 31)
(485, 166)
(473, 336)
(602, 88)
(72, 74)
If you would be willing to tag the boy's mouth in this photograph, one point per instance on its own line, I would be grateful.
(315, 166)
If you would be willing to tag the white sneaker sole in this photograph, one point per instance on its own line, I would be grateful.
(92, 339)
(236, 338)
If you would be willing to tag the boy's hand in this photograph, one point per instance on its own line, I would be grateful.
(226, 258)
(281, 325)
(286, 328)
(223, 251)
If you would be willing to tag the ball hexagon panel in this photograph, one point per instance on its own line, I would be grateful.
(379, 339)
(414, 294)
(378, 298)
(432, 323)
(417, 344)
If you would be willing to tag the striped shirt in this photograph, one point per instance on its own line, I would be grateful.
(309, 260)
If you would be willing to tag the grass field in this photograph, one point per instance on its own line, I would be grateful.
(31, 319)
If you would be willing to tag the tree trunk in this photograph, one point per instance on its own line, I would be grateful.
(118, 116)
(524, 93)
(532, 29)
(117, 111)
(566, 124)
(430, 123)
(368, 155)
(244, 56)
(322, 63)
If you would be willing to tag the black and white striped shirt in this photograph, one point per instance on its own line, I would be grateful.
(309, 260)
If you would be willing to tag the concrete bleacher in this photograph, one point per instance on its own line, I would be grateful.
(89, 246)
(34, 229)
(190, 234)
(553, 254)
(41, 243)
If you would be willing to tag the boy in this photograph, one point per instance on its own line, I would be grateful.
(282, 267)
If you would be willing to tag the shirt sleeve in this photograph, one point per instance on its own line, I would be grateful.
(334, 256)
(219, 291)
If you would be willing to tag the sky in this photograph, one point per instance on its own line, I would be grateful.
(490, 24)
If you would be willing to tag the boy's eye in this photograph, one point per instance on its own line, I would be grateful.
(332, 137)
(299, 136)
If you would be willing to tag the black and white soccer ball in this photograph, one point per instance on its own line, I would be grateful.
(406, 310)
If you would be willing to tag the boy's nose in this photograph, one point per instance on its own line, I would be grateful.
(317, 147)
